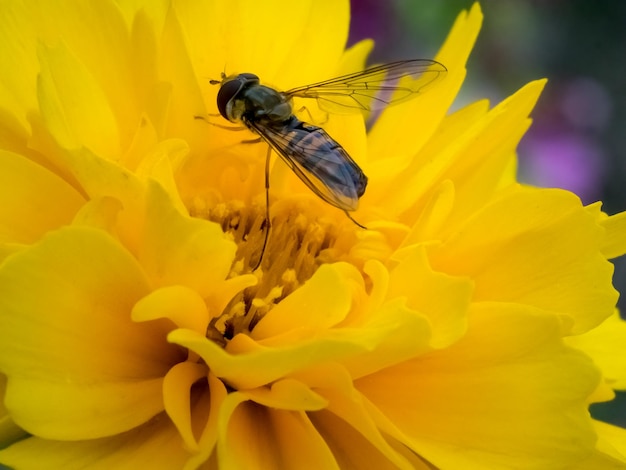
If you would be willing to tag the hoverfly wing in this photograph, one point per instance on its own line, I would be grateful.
(374, 88)
(320, 162)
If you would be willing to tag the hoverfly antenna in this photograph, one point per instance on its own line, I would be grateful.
(222, 77)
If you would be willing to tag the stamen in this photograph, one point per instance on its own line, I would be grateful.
(297, 245)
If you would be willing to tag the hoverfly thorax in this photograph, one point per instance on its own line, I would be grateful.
(243, 98)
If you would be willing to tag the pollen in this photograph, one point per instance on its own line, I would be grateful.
(297, 244)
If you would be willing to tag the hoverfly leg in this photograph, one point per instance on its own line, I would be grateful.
(311, 118)
(252, 141)
(268, 224)
(207, 114)
(355, 222)
(221, 126)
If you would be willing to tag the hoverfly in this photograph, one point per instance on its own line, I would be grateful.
(313, 155)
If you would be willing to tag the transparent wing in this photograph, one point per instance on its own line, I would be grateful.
(374, 88)
(320, 162)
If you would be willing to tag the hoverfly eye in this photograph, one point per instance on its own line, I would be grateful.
(227, 92)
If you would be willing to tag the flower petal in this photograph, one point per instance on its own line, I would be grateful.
(488, 149)
(541, 249)
(180, 304)
(394, 137)
(73, 106)
(41, 200)
(251, 365)
(615, 242)
(256, 437)
(94, 42)
(9, 431)
(510, 366)
(392, 335)
(180, 250)
(287, 394)
(18, 45)
(177, 398)
(78, 367)
(444, 299)
(605, 344)
(155, 445)
(353, 450)
(306, 308)
(610, 450)
(235, 28)
(612, 441)
(345, 424)
(474, 158)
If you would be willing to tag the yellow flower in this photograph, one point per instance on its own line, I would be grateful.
(469, 326)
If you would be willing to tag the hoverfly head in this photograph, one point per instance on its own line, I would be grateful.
(230, 90)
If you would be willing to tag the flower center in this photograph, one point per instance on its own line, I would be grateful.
(297, 244)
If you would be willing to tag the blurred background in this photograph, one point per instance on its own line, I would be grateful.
(578, 137)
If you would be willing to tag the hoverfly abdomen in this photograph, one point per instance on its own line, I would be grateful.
(333, 165)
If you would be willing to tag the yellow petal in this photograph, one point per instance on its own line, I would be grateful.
(180, 304)
(612, 441)
(473, 157)
(510, 366)
(599, 461)
(85, 408)
(18, 82)
(102, 213)
(261, 365)
(615, 242)
(610, 453)
(443, 299)
(156, 445)
(391, 335)
(36, 200)
(287, 394)
(181, 92)
(354, 451)
(306, 308)
(402, 130)
(255, 437)
(355, 57)
(9, 431)
(77, 366)
(534, 247)
(180, 250)
(91, 42)
(211, 415)
(605, 344)
(433, 215)
(73, 106)
(158, 164)
(177, 398)
(235, 26)
(345, 422)
(486, 156)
